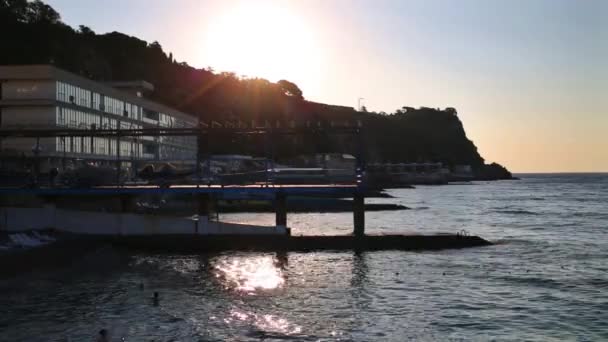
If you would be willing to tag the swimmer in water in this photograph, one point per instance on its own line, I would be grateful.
(155, 299)
(103, 336)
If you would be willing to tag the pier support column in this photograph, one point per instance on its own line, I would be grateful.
(281, 210)
(127, 206)
(203, 208)
(50, 212)
(359, 214)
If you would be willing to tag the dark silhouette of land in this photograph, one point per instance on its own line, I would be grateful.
(35, 34)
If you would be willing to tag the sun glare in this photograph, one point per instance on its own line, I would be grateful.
(262, 40)
(249, 274)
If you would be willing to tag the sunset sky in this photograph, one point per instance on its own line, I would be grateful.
(529, 77)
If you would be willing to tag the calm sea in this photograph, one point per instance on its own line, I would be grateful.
(545, 279)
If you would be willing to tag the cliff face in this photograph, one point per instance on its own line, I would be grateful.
(409, 135)
(420, 135)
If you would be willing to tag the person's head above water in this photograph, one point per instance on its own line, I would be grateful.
(103, 336)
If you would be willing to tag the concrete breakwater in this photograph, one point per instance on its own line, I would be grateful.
(284, 243)
(69, 249)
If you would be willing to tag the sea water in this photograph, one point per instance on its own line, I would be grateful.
(546, 277)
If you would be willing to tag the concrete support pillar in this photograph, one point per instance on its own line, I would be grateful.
(359, 214)
(281, 209)
(203, 209)
(126, 206)
(50, 212)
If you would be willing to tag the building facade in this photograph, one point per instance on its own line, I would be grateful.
(43, 96)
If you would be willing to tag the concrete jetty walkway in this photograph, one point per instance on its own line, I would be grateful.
(283, 243)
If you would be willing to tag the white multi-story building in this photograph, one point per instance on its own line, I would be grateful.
(43, 96)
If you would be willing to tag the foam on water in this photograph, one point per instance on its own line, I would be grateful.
(30, 239)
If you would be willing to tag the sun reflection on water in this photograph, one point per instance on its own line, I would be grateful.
(263, 323)
(249, 273)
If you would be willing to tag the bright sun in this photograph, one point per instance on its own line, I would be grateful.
(265, 41)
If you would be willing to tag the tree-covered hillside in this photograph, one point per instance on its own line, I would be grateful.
(33, 33)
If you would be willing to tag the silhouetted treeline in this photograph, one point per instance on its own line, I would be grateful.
(34, 34)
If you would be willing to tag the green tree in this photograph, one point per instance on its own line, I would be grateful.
(85, 30)
(16, 9)
(39, 12)
(290, 89)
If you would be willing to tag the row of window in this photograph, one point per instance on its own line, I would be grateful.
(72, 94)
(77, 119)
(98, 146)
(73, 118)
(128, 149)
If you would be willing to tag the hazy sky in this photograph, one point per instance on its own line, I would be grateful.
(529, 77)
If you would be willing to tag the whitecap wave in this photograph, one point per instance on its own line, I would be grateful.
(29, 239)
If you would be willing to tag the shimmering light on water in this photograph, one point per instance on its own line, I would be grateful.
(264, 323)
(545, 279)
(249, 273)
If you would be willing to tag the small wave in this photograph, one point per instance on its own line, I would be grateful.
(596, 282)
(585, 199)
(178, 265)
(589, 214)
(516, 212)
(511, 241)
(261, 334)
(30, 239)
(533, 281)
(420, 208)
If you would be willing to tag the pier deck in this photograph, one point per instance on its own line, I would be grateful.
(202, 196)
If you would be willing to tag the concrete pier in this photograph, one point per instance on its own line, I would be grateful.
(124, 221)
(71, 248)
(261, 243)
